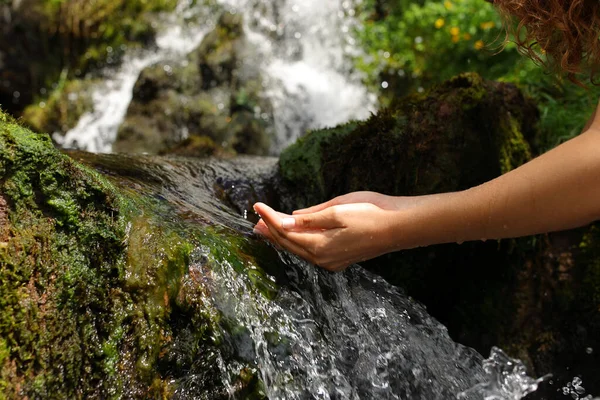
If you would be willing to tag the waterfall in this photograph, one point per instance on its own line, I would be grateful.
(305, 49)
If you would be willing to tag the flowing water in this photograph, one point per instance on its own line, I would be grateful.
(304, 48)
(349, 335)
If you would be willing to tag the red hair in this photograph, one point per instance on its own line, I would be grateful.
(561, 34)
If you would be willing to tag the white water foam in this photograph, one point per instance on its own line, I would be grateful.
(506, 379)
(306, 47)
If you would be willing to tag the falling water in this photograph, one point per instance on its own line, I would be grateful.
(305, 47)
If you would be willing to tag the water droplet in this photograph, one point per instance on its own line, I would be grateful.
(297, 35)
(418, 40)
(109, 49)
(16, 94)
(420, 90)
(42, 104)
(385, 85)
(589, 350)
(386, 54)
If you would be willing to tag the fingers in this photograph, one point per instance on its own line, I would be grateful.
(326, 219)
(295, 245)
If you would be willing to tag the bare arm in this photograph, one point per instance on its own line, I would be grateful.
(558, 190)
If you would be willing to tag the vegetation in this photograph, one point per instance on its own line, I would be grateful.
(99, 297)
(42, 39)
(411, 45)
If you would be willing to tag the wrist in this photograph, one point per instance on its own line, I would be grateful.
(435, 219)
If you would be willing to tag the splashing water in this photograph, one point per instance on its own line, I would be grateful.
(349, 335)
(576, 391)
(304, 47)
(506, 379)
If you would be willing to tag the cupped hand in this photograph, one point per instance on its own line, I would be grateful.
(334, 236)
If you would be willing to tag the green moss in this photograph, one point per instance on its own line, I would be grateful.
(97, 291)
(514, 149)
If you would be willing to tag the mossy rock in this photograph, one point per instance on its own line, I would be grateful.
(213, 93)
(101, 298)
(460, 134)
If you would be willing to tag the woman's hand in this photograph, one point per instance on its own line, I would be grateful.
(333, 235)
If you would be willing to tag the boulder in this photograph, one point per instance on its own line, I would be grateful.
(100, 298)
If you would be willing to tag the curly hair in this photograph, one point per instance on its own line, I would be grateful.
(564, 35)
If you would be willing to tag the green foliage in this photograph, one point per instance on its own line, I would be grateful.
(412, 45)
(417, 45)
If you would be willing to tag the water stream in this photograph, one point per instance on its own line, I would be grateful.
(349, 335)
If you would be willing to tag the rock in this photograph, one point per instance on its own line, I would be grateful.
(535, 297)
(456, 136)
(214, 93)
(99, 299)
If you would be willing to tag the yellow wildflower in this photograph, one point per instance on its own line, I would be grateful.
(455, 38)
(448, 5)
(479, 45)
(439, 23)
(454, 31)
(487, 25)
(467, 36)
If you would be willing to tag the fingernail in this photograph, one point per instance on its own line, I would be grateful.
(288, 223)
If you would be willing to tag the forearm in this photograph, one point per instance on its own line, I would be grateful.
(558, 190)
